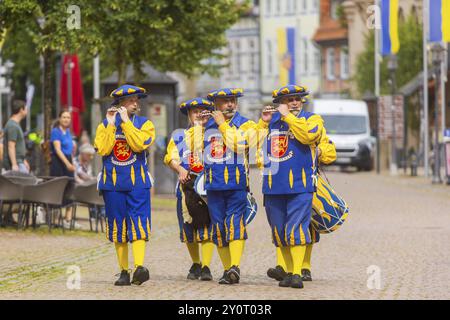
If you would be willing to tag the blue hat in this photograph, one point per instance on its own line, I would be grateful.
(127, 91)
(196, 103)
(225, 93)
(289, 90)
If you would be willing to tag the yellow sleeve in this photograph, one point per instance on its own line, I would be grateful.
(305, 131)
(327, 149)
(172, 153)
(104, 139)
(194, 138)
(247, 136)
(139, 139)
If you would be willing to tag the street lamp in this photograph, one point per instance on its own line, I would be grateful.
(392, 67)
(437, 52)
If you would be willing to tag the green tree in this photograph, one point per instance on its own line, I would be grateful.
(410, 57)
(46, 24)
(177, 35)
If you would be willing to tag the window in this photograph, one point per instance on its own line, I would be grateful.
(305, 56)
(237, 57)
(230, 59)
(333, 9)
(305, 5)
(253, 56)
(315, 5)
(269, 57)
(288, 7)
(330, 64)
(345, 68)
(317, 66)
(278, 7)
(268, 7)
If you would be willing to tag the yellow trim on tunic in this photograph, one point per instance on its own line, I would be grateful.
(114, 176)
(219, 236)
(114, 235)
(237, 175)
(141, 229)
(304, 177)
(242, 228)
(302, 236)
(142, 174)
(225, 175)
(132, 175)
(124, 230)
(291, 179)
(277, 237)
(133, 231)
(232, 227)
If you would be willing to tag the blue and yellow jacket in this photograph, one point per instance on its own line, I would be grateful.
(289, 152)
(123, 147)
(225, 152)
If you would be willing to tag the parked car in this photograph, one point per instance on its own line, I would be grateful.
(347, 125)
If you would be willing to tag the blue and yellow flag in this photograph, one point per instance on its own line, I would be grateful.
(286, 54)
(440, 21)
(390, 43)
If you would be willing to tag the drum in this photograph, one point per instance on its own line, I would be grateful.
(199, 185)
(252, 207)
(329, 211)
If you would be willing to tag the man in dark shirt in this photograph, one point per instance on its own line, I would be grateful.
(14, 149)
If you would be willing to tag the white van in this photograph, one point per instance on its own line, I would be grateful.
(347, 125)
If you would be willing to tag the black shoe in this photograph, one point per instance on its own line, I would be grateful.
(124, 279)
(194, 271)
(296, 281)
(234, 274)
(205, 274)
(140, 275)
(225, 278)
(306, 275)
(276, 273)
(286, 282)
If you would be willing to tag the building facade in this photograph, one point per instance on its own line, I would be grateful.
(332, 38)
(288, 52)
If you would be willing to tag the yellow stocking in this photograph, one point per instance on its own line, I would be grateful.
(307, 261)
(224, 254)
(207, 252)
(138, 247)
(122, 255)
(236, 251)
(280, 259)
(194, 251)
(286, 253)
(298, 254)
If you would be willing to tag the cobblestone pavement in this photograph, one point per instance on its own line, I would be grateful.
(399, 226)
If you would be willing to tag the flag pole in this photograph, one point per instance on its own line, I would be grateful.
(425, 85)
(377, 79)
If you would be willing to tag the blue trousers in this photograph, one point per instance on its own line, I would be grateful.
(128, 216)
(227, 209)
(289, 217)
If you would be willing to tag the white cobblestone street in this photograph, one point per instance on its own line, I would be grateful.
(399, 226)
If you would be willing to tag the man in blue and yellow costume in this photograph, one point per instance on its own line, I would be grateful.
(326, 154)
(289, 160)
(227, 140)
(185, 159)
(122, 139)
